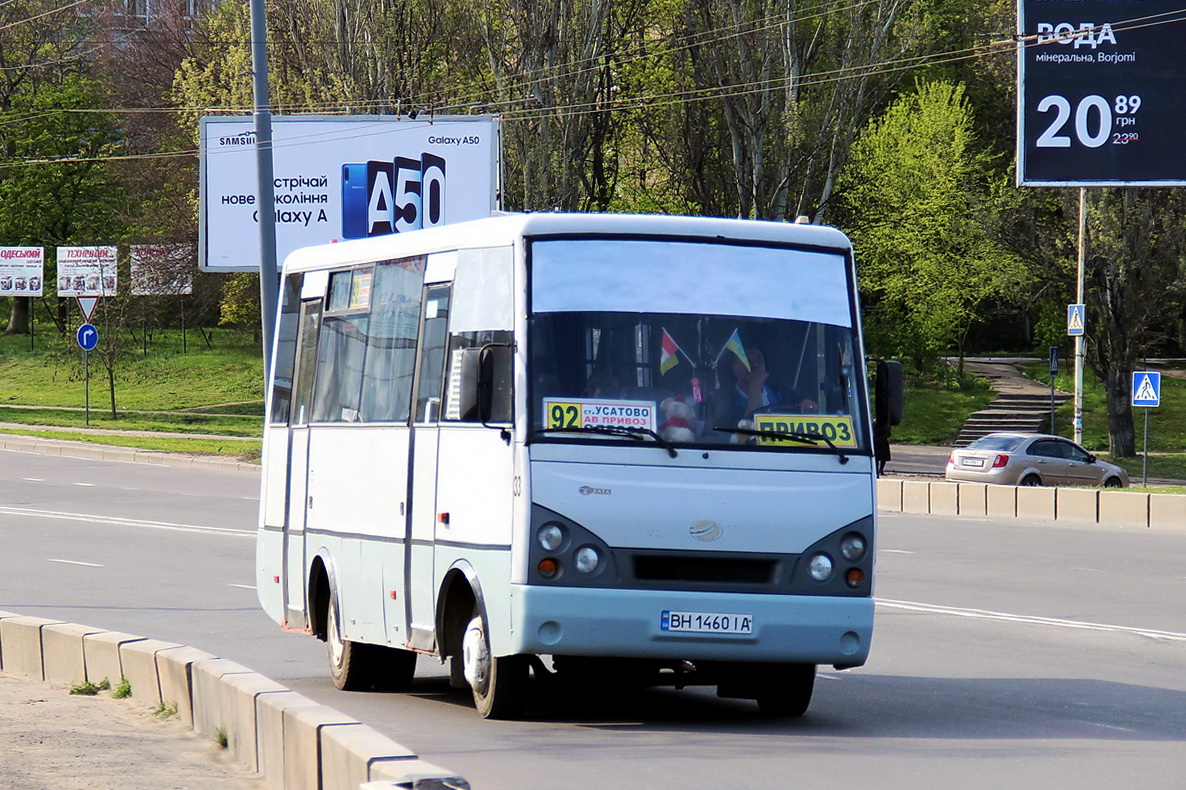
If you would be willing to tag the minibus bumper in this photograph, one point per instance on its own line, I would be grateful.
(585, 621)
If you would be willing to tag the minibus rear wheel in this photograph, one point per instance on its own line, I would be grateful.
(499, 684)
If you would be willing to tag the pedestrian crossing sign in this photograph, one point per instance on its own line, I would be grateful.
(1075, 320)
(1146, 388)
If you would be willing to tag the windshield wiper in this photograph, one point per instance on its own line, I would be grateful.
(617, 430)
(794, 436)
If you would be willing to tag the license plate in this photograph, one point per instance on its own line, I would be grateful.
(976, 462)
(707, 622)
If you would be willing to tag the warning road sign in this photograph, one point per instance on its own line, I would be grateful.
(1075, 320)
(1146, 388)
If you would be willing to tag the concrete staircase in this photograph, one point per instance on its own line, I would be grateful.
(1022, 405)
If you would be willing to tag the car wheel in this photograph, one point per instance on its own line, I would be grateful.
(1112, 482)
(1031, 480)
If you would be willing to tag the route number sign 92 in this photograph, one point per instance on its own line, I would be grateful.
(1096, 121)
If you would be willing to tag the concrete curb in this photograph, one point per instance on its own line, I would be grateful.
(106, 452)
(289, 740)
(1107, 507)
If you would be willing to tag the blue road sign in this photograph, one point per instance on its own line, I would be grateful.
(1146, 388)
(1075, 320)
(88, 337)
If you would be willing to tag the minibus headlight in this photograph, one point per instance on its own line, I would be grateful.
(820, 567)
(587, 559)
(853, 547)
(550, 536)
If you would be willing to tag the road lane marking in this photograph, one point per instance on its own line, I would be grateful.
(125, 522)
(895, 551)
(244, 586)
(34, 479)
(1054, 622)
(76, 562)
(85, 485)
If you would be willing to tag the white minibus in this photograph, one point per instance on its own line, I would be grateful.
(630, 448)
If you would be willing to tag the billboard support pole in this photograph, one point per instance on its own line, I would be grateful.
(269, 281)
(1080, 340)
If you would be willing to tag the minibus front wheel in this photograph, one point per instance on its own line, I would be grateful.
(498, 683)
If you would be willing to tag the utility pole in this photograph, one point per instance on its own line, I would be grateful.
(269, 279)
(1080, 340)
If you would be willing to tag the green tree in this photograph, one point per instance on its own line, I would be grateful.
(77, 200)
(922, 203)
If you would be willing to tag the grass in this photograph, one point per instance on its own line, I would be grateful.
(214, 390)
(247, 451)
(89, 689)
(220, 737)
(53, 374)
(1167, 423)
(123, 689)
(165, 710)
(934, 412)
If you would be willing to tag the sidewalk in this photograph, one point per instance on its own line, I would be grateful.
(52, 740)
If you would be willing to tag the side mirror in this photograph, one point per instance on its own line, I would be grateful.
(467, 384)
(888, 393)
(484, 387)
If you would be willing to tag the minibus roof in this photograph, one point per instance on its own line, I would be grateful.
(506, 229)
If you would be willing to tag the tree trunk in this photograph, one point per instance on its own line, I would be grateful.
(1121, 436)
(18, 321)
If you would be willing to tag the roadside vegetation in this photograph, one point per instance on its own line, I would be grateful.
(212, 385)
(212, 392)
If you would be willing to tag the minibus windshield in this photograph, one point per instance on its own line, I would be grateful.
(761, 354)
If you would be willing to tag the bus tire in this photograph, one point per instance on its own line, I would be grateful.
(499, 685)
(351, 664)
(786, 690)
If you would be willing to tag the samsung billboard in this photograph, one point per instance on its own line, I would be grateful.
(341, 177)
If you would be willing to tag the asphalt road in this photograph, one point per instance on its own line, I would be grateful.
(1006, 654)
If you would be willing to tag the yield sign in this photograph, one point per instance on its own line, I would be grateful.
(87, 305)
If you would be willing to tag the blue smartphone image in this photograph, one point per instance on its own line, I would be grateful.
(354, 200)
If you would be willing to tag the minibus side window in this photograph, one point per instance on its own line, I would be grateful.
(284, 362)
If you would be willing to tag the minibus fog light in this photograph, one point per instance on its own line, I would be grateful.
(550, 536)
(587, 559)
(852, 547)
(820, 567)
(548, 568)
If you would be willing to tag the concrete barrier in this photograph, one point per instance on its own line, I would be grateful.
(1167, 511)
(240, 694)
(889, 495)
(973, 499)
(100, 653)
(1125, 508)
(1077, 504)
(1002, 501)
(138, 660)
(206, 678)
(916, 496)
(348, 755)
(1107, 507)
(1035, 502)
(944, 499)
(292, 742)
(303, 729)
(20, 641)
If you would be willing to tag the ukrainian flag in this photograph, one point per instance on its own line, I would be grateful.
(735, 346)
